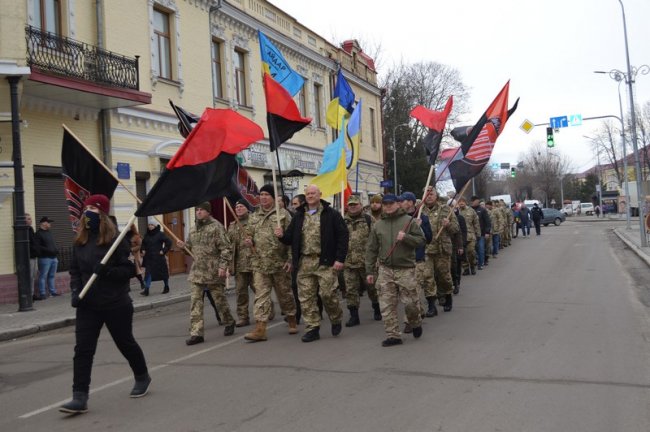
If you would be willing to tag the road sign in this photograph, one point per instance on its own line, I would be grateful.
(575, 119)
(386, 183)
(527, 126)
(505, 165)
(494, 165)
(559, 122)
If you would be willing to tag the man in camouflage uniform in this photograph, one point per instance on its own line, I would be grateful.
(443, 225)
(473, 229)
(319, 243)
(506, 236)
(359, 225)
(496, 216)
(241, 265)
(271, 264)
(396, 281)
(212, 252)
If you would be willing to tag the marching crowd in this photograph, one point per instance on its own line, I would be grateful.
(397, 250)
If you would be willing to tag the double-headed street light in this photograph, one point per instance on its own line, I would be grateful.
(395, 155)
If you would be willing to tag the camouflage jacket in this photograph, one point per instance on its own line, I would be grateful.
(270, 254)
(382, 239)
(497, 220)
(211, 248)
(242, 255)
(473, 225)
(437, 213)
(359, 228)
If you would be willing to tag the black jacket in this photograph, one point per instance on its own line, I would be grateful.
(537, 214)
(33, 249)
(109, 290)
(483, 220)
(153, 243)
(44, 244)
(333, 235)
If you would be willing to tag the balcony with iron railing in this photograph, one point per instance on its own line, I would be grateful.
(66, 62)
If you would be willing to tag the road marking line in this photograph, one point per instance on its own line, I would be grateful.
(153, 369)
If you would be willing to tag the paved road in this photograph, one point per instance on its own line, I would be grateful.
(553, 336)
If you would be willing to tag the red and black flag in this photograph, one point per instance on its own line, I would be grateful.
(203, 168)
(478, 141)
(435, 121)
(83, 175)
(282, 115)
(186, 120)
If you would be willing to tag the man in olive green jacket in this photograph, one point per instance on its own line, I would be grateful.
(396, 281)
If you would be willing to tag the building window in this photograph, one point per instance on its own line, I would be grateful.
(302, 101)
(317, 106)
(217, 80)
(240, 77)
(162, 44)
(373, 135)
(47, 15)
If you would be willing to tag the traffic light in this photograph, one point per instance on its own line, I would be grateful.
(513, 172)
(550, 141)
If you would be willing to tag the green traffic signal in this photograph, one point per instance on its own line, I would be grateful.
(513, 172)
(550, 141)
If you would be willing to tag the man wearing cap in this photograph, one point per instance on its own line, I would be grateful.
(271, 264)
(484, 233)
(375, 206)
(212, 252)
(242, 262)
(47, 257)
(473, 231)
(423, 274)
(394, 250)
(443, 224)
(359, 225)
(319, 244)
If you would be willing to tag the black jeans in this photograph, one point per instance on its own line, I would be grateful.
(119, 322)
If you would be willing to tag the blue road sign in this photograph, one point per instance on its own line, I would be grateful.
(575, 119)
(386, 183)
(559, 122)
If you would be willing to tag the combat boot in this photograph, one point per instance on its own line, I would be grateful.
(377, 312)
(243, 322)
(229, 330)
(456, 288)
(311, 335)
(449, 300)
(431, 311)
(141, 386)
(257, 335)
(354, 317)
(78, 404)
(293, 324)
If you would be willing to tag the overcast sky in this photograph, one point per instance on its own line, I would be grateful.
(547, 48)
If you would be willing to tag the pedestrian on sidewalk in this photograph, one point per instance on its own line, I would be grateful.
(135, 241)
(47, 258)
(33, 257)
(107, 302)
(537, 215)
(155, 246)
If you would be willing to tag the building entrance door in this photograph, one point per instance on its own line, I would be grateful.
(174, 222)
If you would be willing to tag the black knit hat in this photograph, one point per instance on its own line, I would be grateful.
(243, 202)
(268, 189)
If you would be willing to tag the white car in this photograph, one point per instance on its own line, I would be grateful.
(587, 209)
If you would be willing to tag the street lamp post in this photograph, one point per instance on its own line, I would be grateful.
(629, 79)
(395, 156)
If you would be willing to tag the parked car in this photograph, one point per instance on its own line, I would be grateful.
(567, 210)
(552, 216)
(586, 209)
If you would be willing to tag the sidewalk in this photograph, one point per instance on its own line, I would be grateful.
(56, 312)
(632, 238)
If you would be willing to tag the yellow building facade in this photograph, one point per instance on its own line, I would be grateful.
(108, 69)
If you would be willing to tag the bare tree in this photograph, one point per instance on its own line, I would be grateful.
(606, 144)
(543, 171)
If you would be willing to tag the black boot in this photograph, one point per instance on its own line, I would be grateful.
(449, 299)
(141, 386)
(166, 289)
(432, 311)
(144, 292)
(456, 288)
(78, 404)
(377, 312)
(311, 335)
(354, 317)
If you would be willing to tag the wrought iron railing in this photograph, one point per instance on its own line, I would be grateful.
(67, 57)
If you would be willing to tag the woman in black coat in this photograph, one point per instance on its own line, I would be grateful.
(155, 246)
(106, 302)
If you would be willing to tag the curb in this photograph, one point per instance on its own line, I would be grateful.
(637, 250)
(16, 333)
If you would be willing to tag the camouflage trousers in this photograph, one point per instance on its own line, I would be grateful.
(470, 255)
(313, 280)
(281, 283)
(505, 237)
(393, 286)
(243, 281)
(354, 280)
(425, 284)
(440, 266)
(196, 306)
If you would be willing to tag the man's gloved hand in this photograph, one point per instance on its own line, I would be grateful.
(74, 300)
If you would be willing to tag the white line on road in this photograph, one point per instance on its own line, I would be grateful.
(153, 369)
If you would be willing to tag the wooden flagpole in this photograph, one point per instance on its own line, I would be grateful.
(462, 191)
(171, 233)
(426, 187)
(343, 199)
(275, 192)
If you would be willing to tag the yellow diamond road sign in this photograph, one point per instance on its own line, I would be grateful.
(527, 126)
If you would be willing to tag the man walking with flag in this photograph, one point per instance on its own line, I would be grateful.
(211, 249)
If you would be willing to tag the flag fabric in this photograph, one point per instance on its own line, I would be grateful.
(277, 67)
(186, 120)
(447, 156)
(353, 131)
(282, 115)
(83, 176)
(332, 171)
(435, 121)
(477, 142)
(203, 167)
(342, 101)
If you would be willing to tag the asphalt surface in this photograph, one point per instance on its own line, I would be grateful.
(552, 336)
